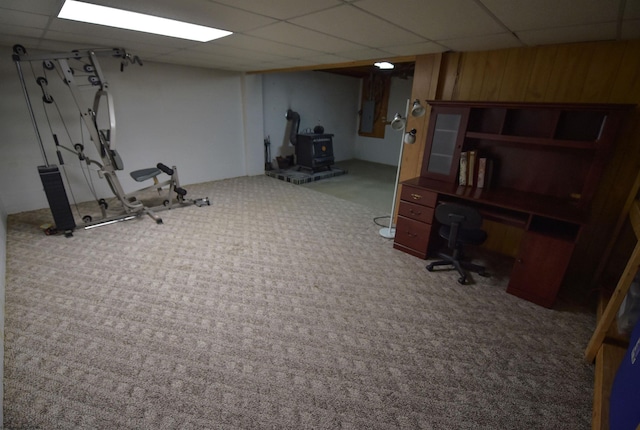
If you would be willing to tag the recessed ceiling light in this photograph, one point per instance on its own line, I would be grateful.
(384, 65)
(102, 15)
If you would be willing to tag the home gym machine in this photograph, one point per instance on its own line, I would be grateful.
(72, 68)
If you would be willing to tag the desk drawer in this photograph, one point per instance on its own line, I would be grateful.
(418, 196)
(416, 212)
(412, 234)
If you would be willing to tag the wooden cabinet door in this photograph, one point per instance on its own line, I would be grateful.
(447, 127)
(539, 268)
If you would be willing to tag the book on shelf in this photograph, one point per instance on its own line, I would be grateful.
(462, 173)
(475, 171)
(471, 167)
(485, 170)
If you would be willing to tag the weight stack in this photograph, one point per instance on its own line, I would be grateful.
(57, 197)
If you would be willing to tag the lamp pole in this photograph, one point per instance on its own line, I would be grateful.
(390, 232)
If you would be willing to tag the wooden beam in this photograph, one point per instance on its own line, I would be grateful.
(616, 232)
(425, 84)
(619, 293)
(404, 59)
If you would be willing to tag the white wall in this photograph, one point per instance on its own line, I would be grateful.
(210, 124)
(3, 270)
(387, 150)
(253, 124)
(320, 98)
(185, 116)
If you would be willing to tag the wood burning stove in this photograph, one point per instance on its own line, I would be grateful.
(314, 151)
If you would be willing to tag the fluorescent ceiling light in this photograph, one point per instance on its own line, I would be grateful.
(102, 15)
(384, 65)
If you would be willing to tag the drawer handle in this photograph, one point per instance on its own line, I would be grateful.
(416, 196)
(411, 234)
(414, 212)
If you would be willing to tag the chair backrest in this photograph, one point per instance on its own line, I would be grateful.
(458, 217)
(467, 217)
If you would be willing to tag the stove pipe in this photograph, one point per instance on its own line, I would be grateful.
(295, 117)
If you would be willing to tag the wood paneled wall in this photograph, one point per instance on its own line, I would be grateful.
(597, 72)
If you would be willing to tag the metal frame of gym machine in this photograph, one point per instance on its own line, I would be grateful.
(103, 139)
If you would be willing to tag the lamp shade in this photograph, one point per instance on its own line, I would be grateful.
(417, 110)
(398, 122)
(410, 136)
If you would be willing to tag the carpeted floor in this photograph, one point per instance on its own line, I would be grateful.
(277, 307)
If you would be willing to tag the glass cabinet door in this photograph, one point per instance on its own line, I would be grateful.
(444, 143)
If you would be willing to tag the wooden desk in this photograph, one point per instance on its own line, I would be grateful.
(547, 162)
(551, 228)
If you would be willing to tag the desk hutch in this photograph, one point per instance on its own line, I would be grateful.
(547, 163)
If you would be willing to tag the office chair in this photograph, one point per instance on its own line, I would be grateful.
(461, 225)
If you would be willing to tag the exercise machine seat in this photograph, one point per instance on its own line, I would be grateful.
(144, 174)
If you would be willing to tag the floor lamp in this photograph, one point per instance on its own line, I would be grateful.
(399, 123)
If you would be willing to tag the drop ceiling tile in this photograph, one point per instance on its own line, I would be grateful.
(348, 22)
(82, 41)
(294, 35)
(221, 65)
(255, 44)
(237, 53)
(416, 48)
(25, 40)
(327, 59)
(195, 11)
(198, 58)
(224, 50)
(435, 19)
(541, 14)
(248, 68)
(353, 30)
(577, 33)
(281, 9)
(366, 54)
(43, 7)
(17, 33)
(144, 50)
(284, 64)
(48, 45)
(100, 32)
(488, 42)
(24, 19)
(242, 54)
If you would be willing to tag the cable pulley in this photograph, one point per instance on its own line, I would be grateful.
(43, 83)
(19, 50)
